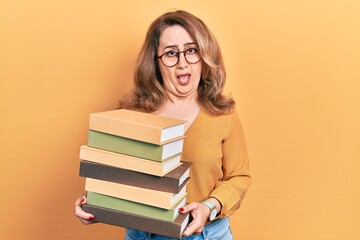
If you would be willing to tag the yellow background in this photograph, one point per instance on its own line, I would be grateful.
(293, 66)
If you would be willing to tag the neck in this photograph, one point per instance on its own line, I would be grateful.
(182, 100)
(185, 109)
(181, 108)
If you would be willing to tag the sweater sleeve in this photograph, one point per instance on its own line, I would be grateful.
(235, 165)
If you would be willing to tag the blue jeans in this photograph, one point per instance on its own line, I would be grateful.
(217, 230)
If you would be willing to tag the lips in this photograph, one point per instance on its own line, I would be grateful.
(184, 79)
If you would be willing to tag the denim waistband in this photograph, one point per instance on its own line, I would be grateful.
(217, 230)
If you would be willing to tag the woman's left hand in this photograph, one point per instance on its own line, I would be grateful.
(200, 213)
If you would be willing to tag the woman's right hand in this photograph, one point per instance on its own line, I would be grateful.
(85, 218)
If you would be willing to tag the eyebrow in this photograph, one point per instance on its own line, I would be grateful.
(177, 46)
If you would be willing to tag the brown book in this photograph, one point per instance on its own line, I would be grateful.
(128, 220)
(171, 182)
(150, 197)
(139, 126)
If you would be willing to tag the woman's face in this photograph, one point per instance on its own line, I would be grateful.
(181, 80)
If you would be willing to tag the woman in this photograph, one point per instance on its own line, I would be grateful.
(180, 74)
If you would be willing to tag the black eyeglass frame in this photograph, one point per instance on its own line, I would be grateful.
(178, 57)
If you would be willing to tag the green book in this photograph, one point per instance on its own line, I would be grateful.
(135, 148)
(133, 207)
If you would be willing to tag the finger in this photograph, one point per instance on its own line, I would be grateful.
(81, 200)
(78, 203)
(188, 208)
(84, 217)
(85, 221)
(195, 227)
(81, 213)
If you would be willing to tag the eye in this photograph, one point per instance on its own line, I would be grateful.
(172, 53)
(191, 51)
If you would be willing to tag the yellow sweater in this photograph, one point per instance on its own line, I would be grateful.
(216, 147)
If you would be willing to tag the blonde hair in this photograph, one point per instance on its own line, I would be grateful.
(149, 94)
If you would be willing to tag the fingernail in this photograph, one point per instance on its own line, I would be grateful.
(181, 209)
(91, 218)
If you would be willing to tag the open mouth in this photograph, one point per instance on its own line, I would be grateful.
(184, 78)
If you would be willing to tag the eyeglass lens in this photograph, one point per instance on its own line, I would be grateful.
(171, 58)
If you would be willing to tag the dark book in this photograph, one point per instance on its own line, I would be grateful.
(171, 182)
(171, 229)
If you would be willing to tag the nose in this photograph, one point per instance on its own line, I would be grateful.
(182, 61)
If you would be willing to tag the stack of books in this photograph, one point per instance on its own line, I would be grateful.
(134, 176)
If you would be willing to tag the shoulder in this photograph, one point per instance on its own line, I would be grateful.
(220, 117)
(223, 122)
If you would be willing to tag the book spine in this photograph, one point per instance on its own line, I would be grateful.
(118, 218)
(128, 177)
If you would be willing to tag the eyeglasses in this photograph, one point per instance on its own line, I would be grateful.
(171, 58)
